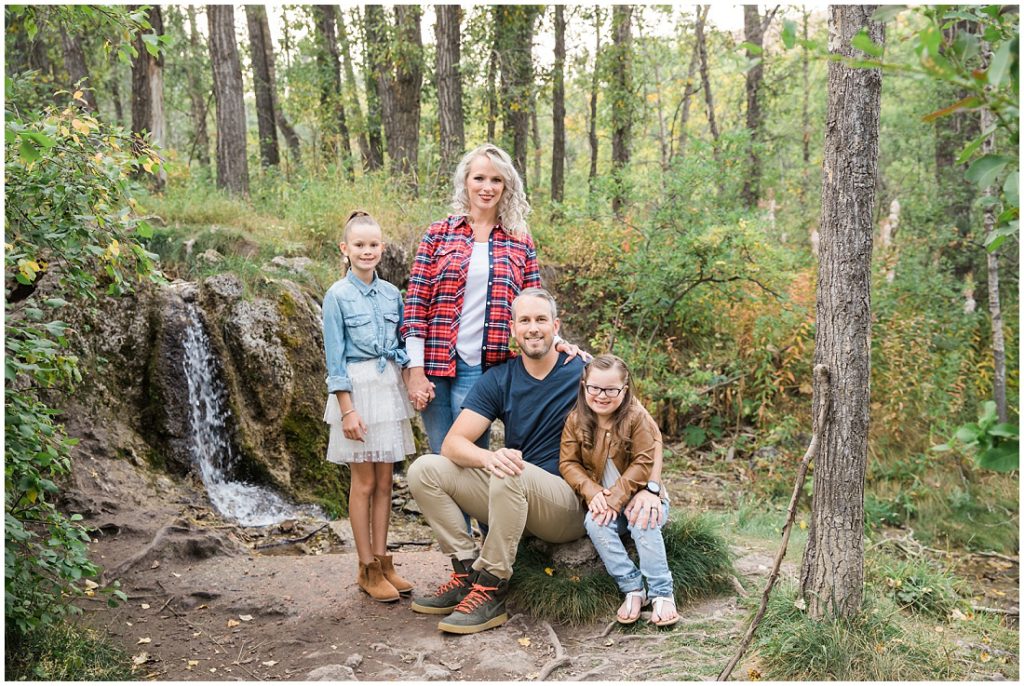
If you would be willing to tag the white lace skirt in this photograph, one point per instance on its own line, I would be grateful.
(382, 403)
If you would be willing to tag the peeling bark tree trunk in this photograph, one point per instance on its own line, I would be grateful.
(374, 37)
(832, 573)
(266, 117)
(449, 88)
(78, 73)
(232, 161)
(558, 109)
(709, 101)
(622, 102)
(148, 91)
(200, 137)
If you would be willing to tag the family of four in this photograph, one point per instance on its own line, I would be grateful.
(581, 456)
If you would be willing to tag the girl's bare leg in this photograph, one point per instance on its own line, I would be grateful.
(359, 498)
(381, 508)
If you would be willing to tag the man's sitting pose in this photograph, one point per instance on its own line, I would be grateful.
(515, 489)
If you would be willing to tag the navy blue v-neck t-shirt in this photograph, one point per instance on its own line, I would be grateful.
(533, 410)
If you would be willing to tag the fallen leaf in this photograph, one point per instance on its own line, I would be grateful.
(145, 606)
(270, 663)
(939, 629)
(984, 657)
(212, 670)
(958, 615)
(140, 659)
(334, 647)
(203, 606)
(129, 624)
(90, 584)
(753, 674)
(525, 641)
(800, 604)
(176, 575)
(233, 622)
(574, 579)
(880, 648)
(90, 593)
(78, 95)
(609, 642)
(191, 664)
(549, 571)
(156, 563)
(532, 675)
(145, 640)
(197, 634)
(245, 618)
(803, 524)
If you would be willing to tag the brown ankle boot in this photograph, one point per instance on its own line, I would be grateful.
(388, 567)
(371, 579)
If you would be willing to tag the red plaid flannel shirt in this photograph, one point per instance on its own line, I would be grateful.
(433, 301)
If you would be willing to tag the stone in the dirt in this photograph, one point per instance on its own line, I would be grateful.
(578, 553)
(354, 660)
(332, 673)
(435, 673)
(299, 265)
(411, 507)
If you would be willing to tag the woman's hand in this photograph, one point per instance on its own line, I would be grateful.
(571, 351)
(600, 511)
(420, 389)
(353, 426)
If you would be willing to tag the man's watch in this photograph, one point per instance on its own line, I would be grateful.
(654, 487)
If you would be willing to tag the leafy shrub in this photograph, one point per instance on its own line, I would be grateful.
(914, 585)
(64, 652)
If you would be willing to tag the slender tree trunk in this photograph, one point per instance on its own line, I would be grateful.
(594, 86)
(805, 119)
(558, 109)
(492, 79)
(535, 136)
(78, 73)
(622, 102)
(351, 93)
(290, 137)
(336, 139)
(378, 42)
(232, 161)
(374, 35)
(114, 84)
(148, 91)
(403, 137)
(705, 81)
(197, 100)
(832, 574)
(684, 106)
(513, 28)
(753, 29)
(664, 134)
(449, 87)
(266, 117)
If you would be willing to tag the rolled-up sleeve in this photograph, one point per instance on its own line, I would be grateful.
(334, 344)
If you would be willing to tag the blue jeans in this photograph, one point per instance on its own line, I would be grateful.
(449, 394)
(650, 547)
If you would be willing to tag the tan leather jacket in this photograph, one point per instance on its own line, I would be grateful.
(582, 469)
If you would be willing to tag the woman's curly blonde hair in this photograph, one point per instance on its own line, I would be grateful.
(513, 206)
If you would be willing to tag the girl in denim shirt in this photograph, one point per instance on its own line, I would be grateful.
(367, 406)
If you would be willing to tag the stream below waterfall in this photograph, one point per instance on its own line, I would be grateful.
(211, 447)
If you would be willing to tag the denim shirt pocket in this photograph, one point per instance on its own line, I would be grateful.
(392, 318)
(359, 327)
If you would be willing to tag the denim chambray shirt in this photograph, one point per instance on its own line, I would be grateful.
(361, 323)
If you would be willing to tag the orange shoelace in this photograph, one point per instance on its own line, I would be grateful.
(476, 597)
(454, 582)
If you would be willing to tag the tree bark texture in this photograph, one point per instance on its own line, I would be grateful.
(290, 137)
(449, 87)
(558, 109)
(78, 73)
(114, 82)
(832, 573)
(753, 32)
(335, 127)
(514, 43)
(684, 105)
(595, 84)
(492, 85)
(374, 35)
(232, 162)
(403, 136)
(148, 91)
(621, 92)
(709, 101)
(260, 48)
(197, 99)
(805, 120)
(351, 93)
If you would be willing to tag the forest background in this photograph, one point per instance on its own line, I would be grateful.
(674, 172)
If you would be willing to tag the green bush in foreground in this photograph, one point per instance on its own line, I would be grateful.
(64, 652)
(914, 585)
(697, 555)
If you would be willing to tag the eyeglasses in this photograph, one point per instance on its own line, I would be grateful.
(609, 392)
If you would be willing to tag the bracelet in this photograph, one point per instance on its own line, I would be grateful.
(347, 413)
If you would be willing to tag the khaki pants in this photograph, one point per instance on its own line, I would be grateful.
(536, 502)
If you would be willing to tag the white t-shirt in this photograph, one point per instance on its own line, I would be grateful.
(470, 341)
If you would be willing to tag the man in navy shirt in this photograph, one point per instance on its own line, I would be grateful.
(514, 490)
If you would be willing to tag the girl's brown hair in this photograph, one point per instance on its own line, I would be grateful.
(586, 416)
(357, 217)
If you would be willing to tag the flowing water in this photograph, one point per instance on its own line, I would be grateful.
(211, 447)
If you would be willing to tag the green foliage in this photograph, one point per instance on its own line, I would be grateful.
(698, 558)
(70, 235)
(916, 585)
(996, 445)
(64, 652)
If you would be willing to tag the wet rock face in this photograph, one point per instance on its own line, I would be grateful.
(250, 331)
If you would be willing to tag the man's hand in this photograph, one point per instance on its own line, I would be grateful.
(420, 389)
(644, 510)
(505, 462)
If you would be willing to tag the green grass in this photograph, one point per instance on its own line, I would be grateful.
(64, 652)
(698, 557)
(915, 585)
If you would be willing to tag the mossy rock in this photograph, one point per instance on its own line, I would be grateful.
(326, 482)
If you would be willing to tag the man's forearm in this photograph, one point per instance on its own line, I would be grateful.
(464, 452)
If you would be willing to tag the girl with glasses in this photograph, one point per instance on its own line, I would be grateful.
(609, 447)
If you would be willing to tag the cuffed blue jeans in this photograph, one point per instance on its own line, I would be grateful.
(650, 547)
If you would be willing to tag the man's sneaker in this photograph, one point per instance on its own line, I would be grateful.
(448, 596)
(483, 608)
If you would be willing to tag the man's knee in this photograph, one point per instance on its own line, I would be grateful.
(510, 485)
(424, 471)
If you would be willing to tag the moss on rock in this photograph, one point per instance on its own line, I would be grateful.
(328, 483)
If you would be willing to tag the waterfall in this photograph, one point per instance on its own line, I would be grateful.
(210, 444)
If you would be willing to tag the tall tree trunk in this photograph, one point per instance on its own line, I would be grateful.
(403, 137)
(684, 105)
(558, 109)
(232, 161)
(78, 73)
(621, 101)
(754, 28)
(513, 28)
(832, 573)
(709, 100)
(290, 137)
(492, 80)
(352, 94)
(594, 86)
(336, 139)
(148, 91)
(805, 119)
(379, 96)
(266, 118)
(535, 137)
(449, 87)
(197, 99)
(114, 84)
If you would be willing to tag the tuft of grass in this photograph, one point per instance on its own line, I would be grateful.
(914, 585)
(698, 557)
(64, 652)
